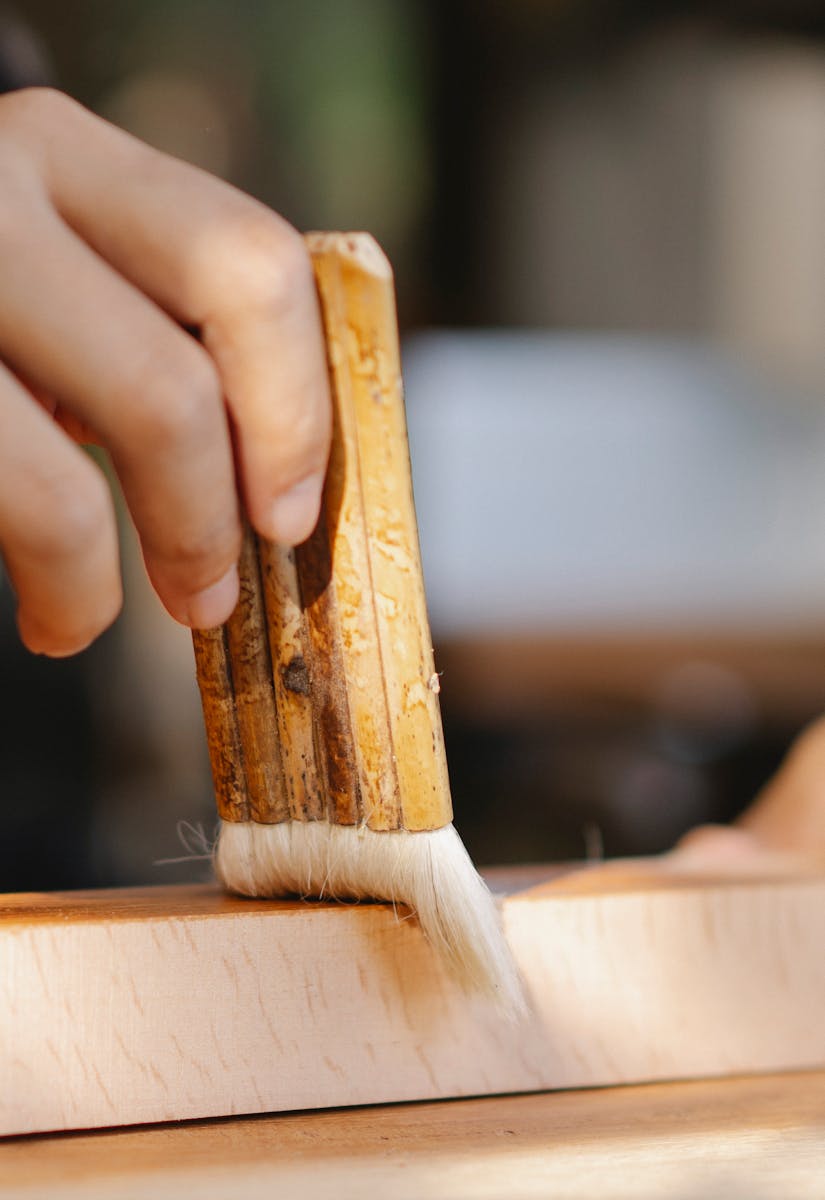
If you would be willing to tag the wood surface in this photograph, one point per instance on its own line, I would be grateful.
(742, 1139)
(168, 1003)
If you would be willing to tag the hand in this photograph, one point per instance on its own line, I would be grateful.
(784, 828)
(110, 251)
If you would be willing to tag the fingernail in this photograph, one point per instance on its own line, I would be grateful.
(294, 514)
(214, 604)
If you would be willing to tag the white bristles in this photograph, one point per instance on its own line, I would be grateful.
(430, 872)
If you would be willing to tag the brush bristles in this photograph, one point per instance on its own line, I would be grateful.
(430, 872)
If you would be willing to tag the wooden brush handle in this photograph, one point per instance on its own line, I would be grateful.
(235, 677)
(220, 715)
(351, 688)
(389, 673)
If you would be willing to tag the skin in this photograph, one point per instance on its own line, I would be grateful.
(112, 253)
(784, 828)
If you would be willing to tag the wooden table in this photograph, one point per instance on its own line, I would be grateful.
(749, 1138)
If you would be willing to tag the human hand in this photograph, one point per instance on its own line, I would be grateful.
(783, 830)
(111, 251)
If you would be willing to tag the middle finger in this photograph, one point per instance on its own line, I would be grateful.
(75, 328)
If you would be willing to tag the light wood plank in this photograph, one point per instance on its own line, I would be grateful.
(170, 1003)
(740, 1138)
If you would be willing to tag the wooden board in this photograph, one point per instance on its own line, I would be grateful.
(167, 1003)
(740, 1138)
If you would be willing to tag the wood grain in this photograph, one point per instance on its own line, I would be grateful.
(254, 693)
(220, 714)
(744, 1139)
(382, 631)
(169, 1003)
(288, 634)
(332, 723)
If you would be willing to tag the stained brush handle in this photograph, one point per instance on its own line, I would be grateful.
(330, 702)
(220, 716)
(235, 679)
(388, 668)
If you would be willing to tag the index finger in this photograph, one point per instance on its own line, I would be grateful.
(218, 260)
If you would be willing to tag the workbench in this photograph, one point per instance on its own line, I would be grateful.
(750, 1138)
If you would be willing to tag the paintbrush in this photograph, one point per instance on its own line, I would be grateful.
(320, 694)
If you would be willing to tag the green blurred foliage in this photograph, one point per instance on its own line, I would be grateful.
(319, 108)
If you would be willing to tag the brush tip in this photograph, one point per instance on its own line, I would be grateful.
(430, 871)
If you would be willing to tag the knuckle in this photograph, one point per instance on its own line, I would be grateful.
(36, 107)
(84, 517)
(47, 103)
(272, 262)
(304, 444)
(289, 276)
(15, 203)
(16, 107)
(173, 405)
(301, 427)
(27, 117)
(77, 513)
(214, 548)
(197, 558)
(21, 174)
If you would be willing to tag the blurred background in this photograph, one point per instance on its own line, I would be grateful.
(606, 219)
